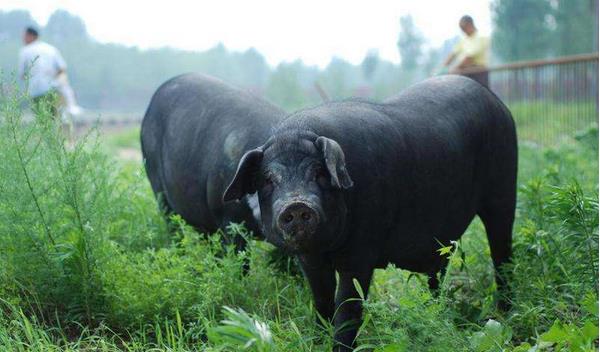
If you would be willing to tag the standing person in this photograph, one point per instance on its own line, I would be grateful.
(470, 56)
(40, 65)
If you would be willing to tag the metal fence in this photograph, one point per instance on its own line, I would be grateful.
(551, 100)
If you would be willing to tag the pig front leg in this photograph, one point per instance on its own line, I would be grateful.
(321, 277)
(348, 315)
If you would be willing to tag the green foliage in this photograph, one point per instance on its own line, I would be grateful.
(339, 78)
(575, 24)
(491, 338)
(571, 338)
(533, 29)
(62, 26)
(14, 22)
(369, 64)
(555, 253)
(410, 43)
(521, 30)
(53, 201)
(284, 87)
(241, 332)
(589, 137)
(402, 315)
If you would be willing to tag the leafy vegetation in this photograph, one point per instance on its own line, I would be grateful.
(534, 29)
(86, 263)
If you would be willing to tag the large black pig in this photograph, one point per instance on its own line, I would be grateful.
(354, 185)
(193, 135)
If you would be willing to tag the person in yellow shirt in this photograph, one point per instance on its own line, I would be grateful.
(470, 56)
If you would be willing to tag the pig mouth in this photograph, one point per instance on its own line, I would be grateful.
(297, 242)
(294, 242)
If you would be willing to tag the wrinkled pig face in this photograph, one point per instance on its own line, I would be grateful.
(299, 180)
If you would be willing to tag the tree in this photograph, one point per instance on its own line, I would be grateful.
(410, 44)
(522, 29)
(62, 26)
(369, 64)
(533, 29)
(284, 88)
(575, 22)
(12, 26)
(13, 23)
(339, 78)
(255, 68)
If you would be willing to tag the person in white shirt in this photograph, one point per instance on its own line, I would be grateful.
(40, 66)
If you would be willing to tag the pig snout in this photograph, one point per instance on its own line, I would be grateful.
(298, 219)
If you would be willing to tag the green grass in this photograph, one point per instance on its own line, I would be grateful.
(86, 264)
(126, 138)
(549, 123)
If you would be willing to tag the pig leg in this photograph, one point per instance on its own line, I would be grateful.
(321, 278)
(498, 222)
(434, 281)
(348, 315)
(165, 208)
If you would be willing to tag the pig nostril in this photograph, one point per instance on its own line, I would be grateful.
(288, 218)
(297, 217)
(306, 216)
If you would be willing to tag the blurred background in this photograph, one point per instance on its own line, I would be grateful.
(294, 54)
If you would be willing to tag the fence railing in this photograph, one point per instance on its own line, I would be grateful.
(549, 99)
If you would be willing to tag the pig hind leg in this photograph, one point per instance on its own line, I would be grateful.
(453, 232)
(152, 165)
(163, 204)
(434, 280)
(497, 216)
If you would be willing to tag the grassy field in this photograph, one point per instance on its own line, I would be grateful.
(86, 264)
(548, 123)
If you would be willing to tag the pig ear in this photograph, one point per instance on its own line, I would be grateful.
(244, 180)
(335, 162)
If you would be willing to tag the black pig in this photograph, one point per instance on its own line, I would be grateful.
(193, 135)
(354, 185)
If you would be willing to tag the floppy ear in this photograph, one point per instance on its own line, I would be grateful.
(244, 180)
(335, 162)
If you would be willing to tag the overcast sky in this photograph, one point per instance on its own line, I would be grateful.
(282, 30)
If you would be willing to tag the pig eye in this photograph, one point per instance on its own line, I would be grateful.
(268, 183)
(321, 176)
